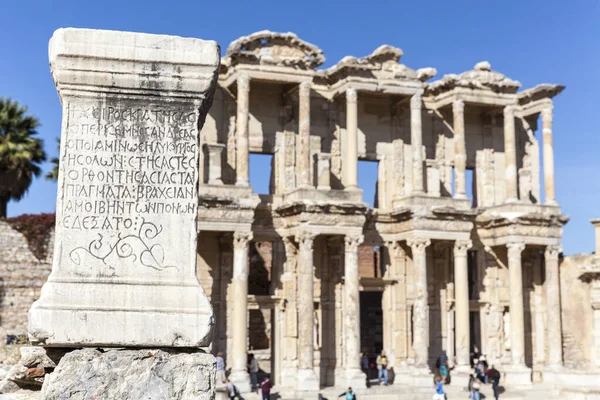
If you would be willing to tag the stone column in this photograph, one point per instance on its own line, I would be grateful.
(416, 140)
(460, 151)
(350, 155)
(517, 318)
(214, 163)
(421, 304)
(239, 282)
(461, 293)
(241, 143)
(303, 165)
(550, 194)
(324, 171)
(595, 339)
(355, 377)
(510, 154)
(307, 379)
(289, 370)
(553, 324)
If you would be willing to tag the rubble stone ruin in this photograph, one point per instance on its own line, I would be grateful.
(124, 267)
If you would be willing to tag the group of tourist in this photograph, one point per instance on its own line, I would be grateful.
(482, 373)
(264, 387)
(382, 367)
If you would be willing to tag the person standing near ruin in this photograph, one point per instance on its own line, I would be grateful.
(494, 377)
(349, 394)
(253, 368)
(442, 364)
(382, 363)
(439, 389)
(265, 388)
(221, 378)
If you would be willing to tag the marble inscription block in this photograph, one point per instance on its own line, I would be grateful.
(124, 268)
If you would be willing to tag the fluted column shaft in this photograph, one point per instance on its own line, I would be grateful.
(239, 284)
(461, 294)
(352, 306)
(510, 154)
(554, 326)
(460, 152)
(350, 158)
(242, 143)
(305, 299)
(416, 139)
(421, 304)
(517, 317)
(549, 190)
(303, 166)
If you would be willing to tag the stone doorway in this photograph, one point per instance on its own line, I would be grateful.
(371, 323)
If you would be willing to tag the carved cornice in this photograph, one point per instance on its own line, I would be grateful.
(480, 77)
(299, 207)
(241, 239)
(539, 92)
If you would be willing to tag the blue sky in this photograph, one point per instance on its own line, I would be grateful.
(530, 41)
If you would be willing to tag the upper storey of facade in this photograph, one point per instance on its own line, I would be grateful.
(428, 137)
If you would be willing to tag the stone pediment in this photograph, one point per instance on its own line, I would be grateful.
(382, 63)
(273, 48)
(541, 91)
(480, 77)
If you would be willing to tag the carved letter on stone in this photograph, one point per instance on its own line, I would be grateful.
(124, 268)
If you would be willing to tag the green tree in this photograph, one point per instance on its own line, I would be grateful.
(53, 174)
(20, 152)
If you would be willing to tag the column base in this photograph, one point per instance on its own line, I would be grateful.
(356, 379)
(241, 380)
(519, 375)
(289, 377)
(242, 183)
(422, 377)
(307, 380)
(459, 376)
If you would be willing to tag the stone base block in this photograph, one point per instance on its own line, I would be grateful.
(459, 377)
(307, 380)
(422, 377)
(241, 380)
(516, 376)
(132, 374)
(356, 379)
(149, 315)
(568, 378)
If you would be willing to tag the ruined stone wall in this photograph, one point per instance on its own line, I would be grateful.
(22, 275)
(576, 314)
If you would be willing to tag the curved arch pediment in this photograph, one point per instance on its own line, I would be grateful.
(273, 48)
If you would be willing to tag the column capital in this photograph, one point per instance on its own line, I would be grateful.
(509, 111)
(395, 248)
(214, 147)
(353, 241)
(290, 246)
(351, 95)
(547, 111)
(306, 240)
(515, 248)
(243, 82)
(305, 88)
(552, 252)
(458, 106)
(241, 239)
(416, 101)
(461, 247)
(418, 245)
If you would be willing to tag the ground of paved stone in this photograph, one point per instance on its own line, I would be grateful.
(409, 393)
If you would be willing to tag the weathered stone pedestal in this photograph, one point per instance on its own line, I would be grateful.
(124, 266)
(132, 374)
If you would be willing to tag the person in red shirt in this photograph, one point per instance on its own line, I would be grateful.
(265, 388)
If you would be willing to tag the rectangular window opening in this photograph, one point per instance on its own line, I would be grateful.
(368, 181)
(261, 173)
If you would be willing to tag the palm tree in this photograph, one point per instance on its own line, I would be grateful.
(20, 152)
(53, 174)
